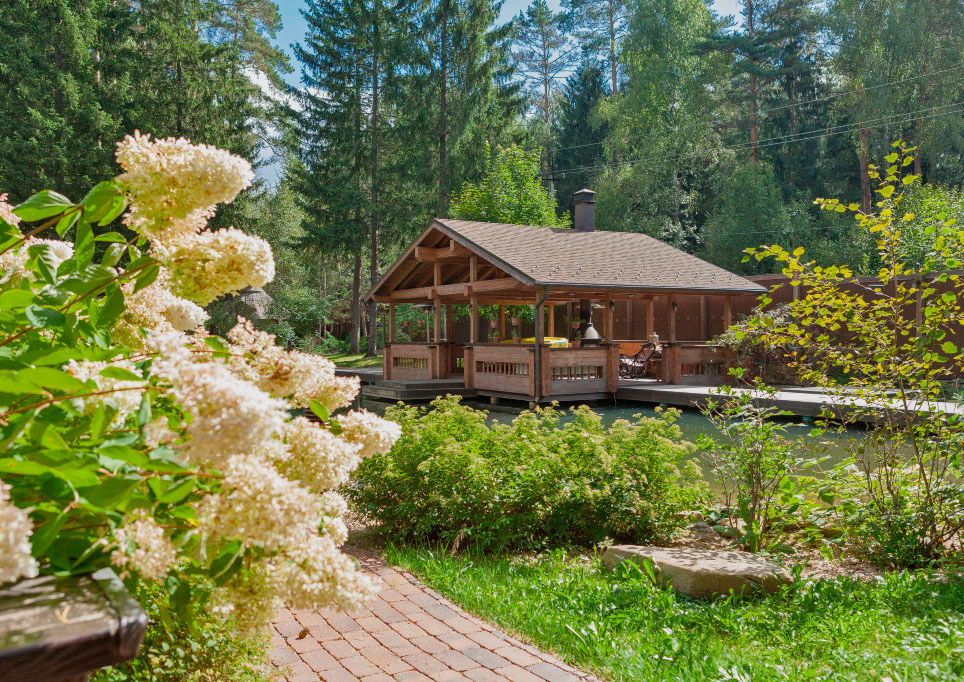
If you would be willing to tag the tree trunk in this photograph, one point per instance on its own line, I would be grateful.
(373, 236)
(443, 112)
(355, 339)
(754, 130)
(866, 200)
(612, 45)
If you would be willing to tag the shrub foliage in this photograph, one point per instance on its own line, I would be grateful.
(536, 482)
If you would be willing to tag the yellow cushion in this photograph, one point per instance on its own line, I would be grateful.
(551, 341)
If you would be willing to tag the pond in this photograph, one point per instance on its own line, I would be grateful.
(832, 444)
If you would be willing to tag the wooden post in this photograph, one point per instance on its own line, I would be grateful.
(502, 321)
(704, 327)
(727, 312)
(609, 321)
(552, 319)
(673, 305)
(391, 323)
(474, 320)
(449, 323)
(650, 320)
(437, 331)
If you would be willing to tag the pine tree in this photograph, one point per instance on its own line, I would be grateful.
(544, 55)
(579, 133)
(599, 26)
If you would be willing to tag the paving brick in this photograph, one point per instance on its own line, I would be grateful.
(304, 644)
(462, 625)
(297, 669)
(425, 663)
(323, 633)
(307, 677)
(359, 638)
(429, 644)
(338, 674)
(457, 641)
(551, 673)
(319, 660)
(390, 595)
(447, 675)
(514, 673)
(440, 611)
(289, 628)
(483, 675)
(456, 660)
(385, 659)
(359, 666)
(389, 615)
(342, 623)
(372, 624)
(484, 657)
(486, 639)
(408, 630)
(310, 618)
(516, 655)
(412, 676)
(378, 677)
(281, 656)
(422, 599)
(340, 648)
(433, 626)
(413, 611)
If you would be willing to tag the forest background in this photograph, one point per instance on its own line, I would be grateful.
(709, 131)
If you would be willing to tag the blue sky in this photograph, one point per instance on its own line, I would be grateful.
(294, 25)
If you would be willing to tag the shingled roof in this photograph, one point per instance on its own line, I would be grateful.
(542, 256)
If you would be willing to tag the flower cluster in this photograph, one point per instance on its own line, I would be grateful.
(277, 474)
(6, 212)
(122, 395)
(143, 546)
(15, 528)
(14, 261)
(172, 179)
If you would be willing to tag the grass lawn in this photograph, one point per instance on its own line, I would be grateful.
(902, 627)
(355, 360)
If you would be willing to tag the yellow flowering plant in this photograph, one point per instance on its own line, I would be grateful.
(886, 352)
(129, 437)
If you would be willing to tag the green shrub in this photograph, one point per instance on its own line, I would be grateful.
(205, 650)
(535, 482)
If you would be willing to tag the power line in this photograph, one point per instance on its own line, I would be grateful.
(793, 138)
(800, 104)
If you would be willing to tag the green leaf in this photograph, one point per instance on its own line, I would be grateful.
(948, 348)
(10, 382)
(44, 536)
(84, 243)
(100, 199)
(216, 343)
(120, 373)
(52, 378)
(113, 306)
(225, 560)
(112, 255)
(111, 491)
(44, 318)
(111, 237)
(67, 222)
(146, 277)
(320, 410)
(16, 298)
(43, 205)
(178, 491)
(886, 191)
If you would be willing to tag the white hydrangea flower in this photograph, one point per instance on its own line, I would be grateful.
(14, 261)
(172, 178)
(227, 415)
(319, 459)
(143, 547)
(126, 395)
(15, 529)
(208, 265)
(6, 212)
(155, 306)
(299, 377)
(319, 573)
(374, 435)
(260, 506)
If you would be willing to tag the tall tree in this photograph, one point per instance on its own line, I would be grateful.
(599, 26)
(579, 132)
(544, 54)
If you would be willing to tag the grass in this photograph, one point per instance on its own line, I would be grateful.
(905, 626)
(355, 360)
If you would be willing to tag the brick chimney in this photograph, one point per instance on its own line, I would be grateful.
(584, 219)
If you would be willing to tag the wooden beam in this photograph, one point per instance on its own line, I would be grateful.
(704, 326)
(391, 323)
(727, 312)
(552, 319)
(473, 268)
(650, 319)
(609, 321)
(502, 321)
(426, 254)
(673, 307)
(449, 323)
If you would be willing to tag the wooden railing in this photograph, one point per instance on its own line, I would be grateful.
(509, 370)
(585, 371)
(501, 368)
(697, 364)
(413, 361)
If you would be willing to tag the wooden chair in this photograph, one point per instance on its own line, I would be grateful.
(636, 366)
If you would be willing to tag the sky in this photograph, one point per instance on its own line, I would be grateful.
(294, 24)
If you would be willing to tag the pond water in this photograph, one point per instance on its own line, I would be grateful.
(831, 444)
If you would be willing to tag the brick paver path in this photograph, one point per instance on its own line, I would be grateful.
(410, 633)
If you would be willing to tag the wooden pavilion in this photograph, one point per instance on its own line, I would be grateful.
(559, 271)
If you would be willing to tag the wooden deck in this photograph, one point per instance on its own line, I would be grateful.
(802, 402)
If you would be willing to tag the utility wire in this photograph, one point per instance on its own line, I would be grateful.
(793, 138)
(797, 104)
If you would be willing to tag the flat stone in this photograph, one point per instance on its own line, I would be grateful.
(703, 572)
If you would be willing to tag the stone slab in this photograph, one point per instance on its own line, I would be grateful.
(703, 572)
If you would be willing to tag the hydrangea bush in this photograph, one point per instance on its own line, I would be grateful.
(130, 437)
